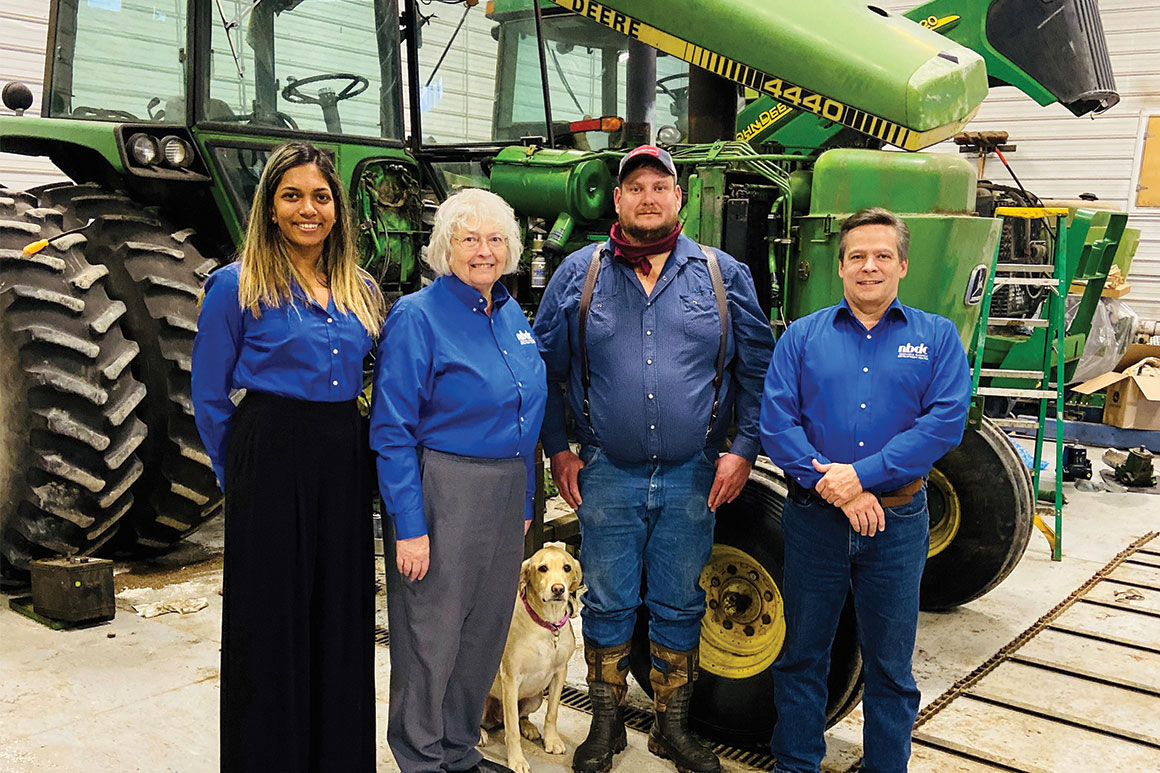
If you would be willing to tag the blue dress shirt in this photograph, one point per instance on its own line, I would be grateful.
(891, 400)
(299, 350)
(653, 357)
(451, 378)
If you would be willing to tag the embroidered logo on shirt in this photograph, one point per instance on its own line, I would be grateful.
(912, 352)
(525, 338)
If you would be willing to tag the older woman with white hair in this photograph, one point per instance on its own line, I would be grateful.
(459, 397)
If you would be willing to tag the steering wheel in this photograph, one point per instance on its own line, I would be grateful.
(675, 94)
(83, 111)
(355, 85)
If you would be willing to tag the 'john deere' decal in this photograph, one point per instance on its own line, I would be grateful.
(778, 88)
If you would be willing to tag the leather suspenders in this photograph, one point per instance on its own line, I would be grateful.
(718, 283)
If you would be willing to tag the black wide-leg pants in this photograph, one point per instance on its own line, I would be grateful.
(297, 659)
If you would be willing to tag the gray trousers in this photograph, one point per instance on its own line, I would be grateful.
(448, 630)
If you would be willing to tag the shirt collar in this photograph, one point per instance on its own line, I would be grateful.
(471, 297)
(297, 291)
(895, 308)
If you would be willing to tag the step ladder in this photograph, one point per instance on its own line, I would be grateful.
(1048, 386)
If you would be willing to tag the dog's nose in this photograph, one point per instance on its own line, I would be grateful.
(558, 589)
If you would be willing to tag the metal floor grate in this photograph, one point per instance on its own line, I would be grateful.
(634, 718)
(639, 719)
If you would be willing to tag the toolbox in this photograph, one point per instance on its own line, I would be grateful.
(73, 590)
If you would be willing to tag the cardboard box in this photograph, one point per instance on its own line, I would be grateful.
(1133, 402)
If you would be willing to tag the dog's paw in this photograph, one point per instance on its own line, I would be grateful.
(528, 730)
(553, 743)
(519, 765)
(483, 737)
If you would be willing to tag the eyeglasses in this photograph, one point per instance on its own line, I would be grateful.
(472, 241)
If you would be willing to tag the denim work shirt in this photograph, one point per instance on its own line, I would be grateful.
(890, 400)
(451, 378)
(298, 350)
(653, 357)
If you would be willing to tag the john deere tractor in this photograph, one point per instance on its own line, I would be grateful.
(162, 115)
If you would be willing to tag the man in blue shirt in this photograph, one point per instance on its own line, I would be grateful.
(649, 475)
(860, 400)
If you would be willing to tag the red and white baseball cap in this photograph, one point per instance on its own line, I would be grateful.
(646, 154)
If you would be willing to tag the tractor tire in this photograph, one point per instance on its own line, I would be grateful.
(982, 510)
(70, 435)
(155, 270)
(744, 625)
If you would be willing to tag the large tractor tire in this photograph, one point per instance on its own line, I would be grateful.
(982, 510)
(744, 626)
(156, 271)
(70, 436)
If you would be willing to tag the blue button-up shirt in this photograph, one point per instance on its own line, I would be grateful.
(891, 400)
(451, 378)
(653, 357)
(298, 350)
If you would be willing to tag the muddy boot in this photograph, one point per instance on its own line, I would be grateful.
(607, 686)
(672, 689)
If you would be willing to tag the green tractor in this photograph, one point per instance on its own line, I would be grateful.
(162, 120)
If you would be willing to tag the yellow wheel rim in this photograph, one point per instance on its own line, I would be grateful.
(744, 625)
(946, 513)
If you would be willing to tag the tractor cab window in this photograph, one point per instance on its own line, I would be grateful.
(456, 61)
(590, 69)
(317, 66)
(118, 60)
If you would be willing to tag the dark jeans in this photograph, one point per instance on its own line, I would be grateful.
(653, 517)
(824, 559)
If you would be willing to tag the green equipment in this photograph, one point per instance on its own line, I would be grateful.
(1048, 347)
(164, 140)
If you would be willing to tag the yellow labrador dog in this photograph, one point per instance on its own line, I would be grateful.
(539, 643)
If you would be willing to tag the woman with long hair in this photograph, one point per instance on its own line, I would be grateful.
(459, 397)
(290, 323)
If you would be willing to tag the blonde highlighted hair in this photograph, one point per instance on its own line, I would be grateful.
(468, 209)
(267, 271)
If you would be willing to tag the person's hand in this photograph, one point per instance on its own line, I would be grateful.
(865, 514)
(566, 468)
(732, 474)
(839, 483)
(413, 557)
(527, 525)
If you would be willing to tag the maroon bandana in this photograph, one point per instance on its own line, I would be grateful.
(637, 255)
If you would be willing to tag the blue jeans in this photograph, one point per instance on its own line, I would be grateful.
(824, 559)
(653, 517)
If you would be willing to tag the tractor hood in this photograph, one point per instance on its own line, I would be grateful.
(845, 61)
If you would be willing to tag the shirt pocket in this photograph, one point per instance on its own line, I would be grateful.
(602, 314)
(700, 316)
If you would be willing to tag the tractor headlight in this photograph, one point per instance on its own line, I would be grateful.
(144, 150)
(177, 152)
(668, 135)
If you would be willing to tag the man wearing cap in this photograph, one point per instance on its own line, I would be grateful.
(651, 414)
(861, 399)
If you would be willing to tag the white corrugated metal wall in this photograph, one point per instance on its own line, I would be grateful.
(23, 33)
(1059, 156)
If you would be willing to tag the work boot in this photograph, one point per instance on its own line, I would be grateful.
(607, 687)
(672, 690)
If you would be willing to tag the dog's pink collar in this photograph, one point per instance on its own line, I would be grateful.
(553, 627)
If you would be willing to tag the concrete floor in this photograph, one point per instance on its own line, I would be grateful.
(141, 694)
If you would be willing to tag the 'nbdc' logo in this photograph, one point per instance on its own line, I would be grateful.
(912, 352)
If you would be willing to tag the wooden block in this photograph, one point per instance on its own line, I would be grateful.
(1077, 288)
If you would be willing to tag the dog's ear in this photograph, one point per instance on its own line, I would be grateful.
(525, 570)
(574, 603)
(577, 575)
